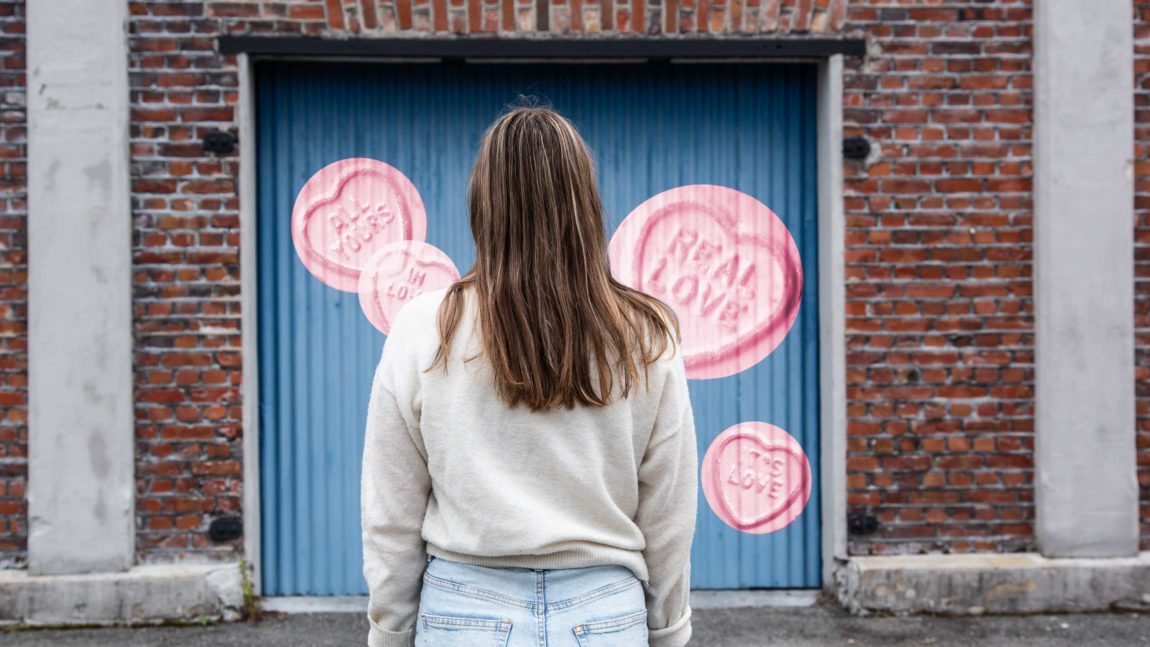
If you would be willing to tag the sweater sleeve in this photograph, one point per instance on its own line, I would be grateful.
(668, 486)
(394, 492)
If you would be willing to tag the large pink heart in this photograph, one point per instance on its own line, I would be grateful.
(756, 477)
(727, 265)
(347, 211)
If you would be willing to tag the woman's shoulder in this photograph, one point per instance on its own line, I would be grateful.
(671, 360)
(419, 311)
(665, 362)
(669, 339)
(426, 302)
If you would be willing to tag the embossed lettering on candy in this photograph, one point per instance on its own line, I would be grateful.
(727, 265)
(347, 211)
(396, 273)
(756, 477)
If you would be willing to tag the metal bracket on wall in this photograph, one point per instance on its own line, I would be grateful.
(220, 142)
(856, 148)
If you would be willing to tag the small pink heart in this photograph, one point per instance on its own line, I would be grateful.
(756, 477)
(396, 273)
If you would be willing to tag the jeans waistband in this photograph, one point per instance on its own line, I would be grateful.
(530, 587)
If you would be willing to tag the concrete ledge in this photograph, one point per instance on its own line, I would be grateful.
(145, 594)
(976, 584)
(700, 599)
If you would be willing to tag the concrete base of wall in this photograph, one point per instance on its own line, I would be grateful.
(145, 594)
(977, 584)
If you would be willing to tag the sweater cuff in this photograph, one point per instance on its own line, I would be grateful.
(377, 637)
(675, 635)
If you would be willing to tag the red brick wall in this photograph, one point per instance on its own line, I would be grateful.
(940, 362)
(185, 249)
(938, 254)
(1142, 251)
(185, 245)
(447, 17)
(938, 265)
(13, 290)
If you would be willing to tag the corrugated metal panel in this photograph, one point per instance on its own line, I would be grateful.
(749, 127)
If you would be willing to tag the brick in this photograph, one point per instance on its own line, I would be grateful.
(954, 111)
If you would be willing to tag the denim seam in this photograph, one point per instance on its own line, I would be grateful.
(590, 595)
(475, 592)
(438, 620)
(619, 623)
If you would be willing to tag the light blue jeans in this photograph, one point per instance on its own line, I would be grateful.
(463, 605)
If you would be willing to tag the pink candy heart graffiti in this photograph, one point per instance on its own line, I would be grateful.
(358, 226)
(347, 211)
(756, 477)
(398, 272)
(727, 265)
(723, 260)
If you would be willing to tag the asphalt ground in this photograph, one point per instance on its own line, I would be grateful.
(738, 627)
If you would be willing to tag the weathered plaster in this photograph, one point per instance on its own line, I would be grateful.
(80, 466)
(1086, 489)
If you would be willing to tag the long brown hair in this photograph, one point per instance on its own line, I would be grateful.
(556, 327)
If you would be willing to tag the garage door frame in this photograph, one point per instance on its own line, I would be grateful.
(825, 53)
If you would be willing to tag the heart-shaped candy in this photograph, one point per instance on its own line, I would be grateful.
(396, 273)
(347, 211)
(756, 477)
(727, 265)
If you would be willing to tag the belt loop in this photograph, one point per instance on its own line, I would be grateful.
(540, 594)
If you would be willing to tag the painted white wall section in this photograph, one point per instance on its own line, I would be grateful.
(80, 467)
(832, 317)
(1085, 475)
(249, 302)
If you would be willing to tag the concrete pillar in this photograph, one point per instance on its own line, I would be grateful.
(80, 466)
(1085, 474)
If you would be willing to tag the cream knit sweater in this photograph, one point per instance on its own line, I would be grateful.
(450, 470)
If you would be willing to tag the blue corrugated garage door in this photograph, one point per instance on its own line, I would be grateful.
(654, 128)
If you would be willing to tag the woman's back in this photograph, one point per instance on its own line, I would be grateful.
(563, 488)
(535, 414)
(561, 483)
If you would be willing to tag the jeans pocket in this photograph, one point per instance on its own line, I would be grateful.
(437, 630)
(626, 630)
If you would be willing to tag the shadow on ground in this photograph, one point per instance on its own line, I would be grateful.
(712, 628)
